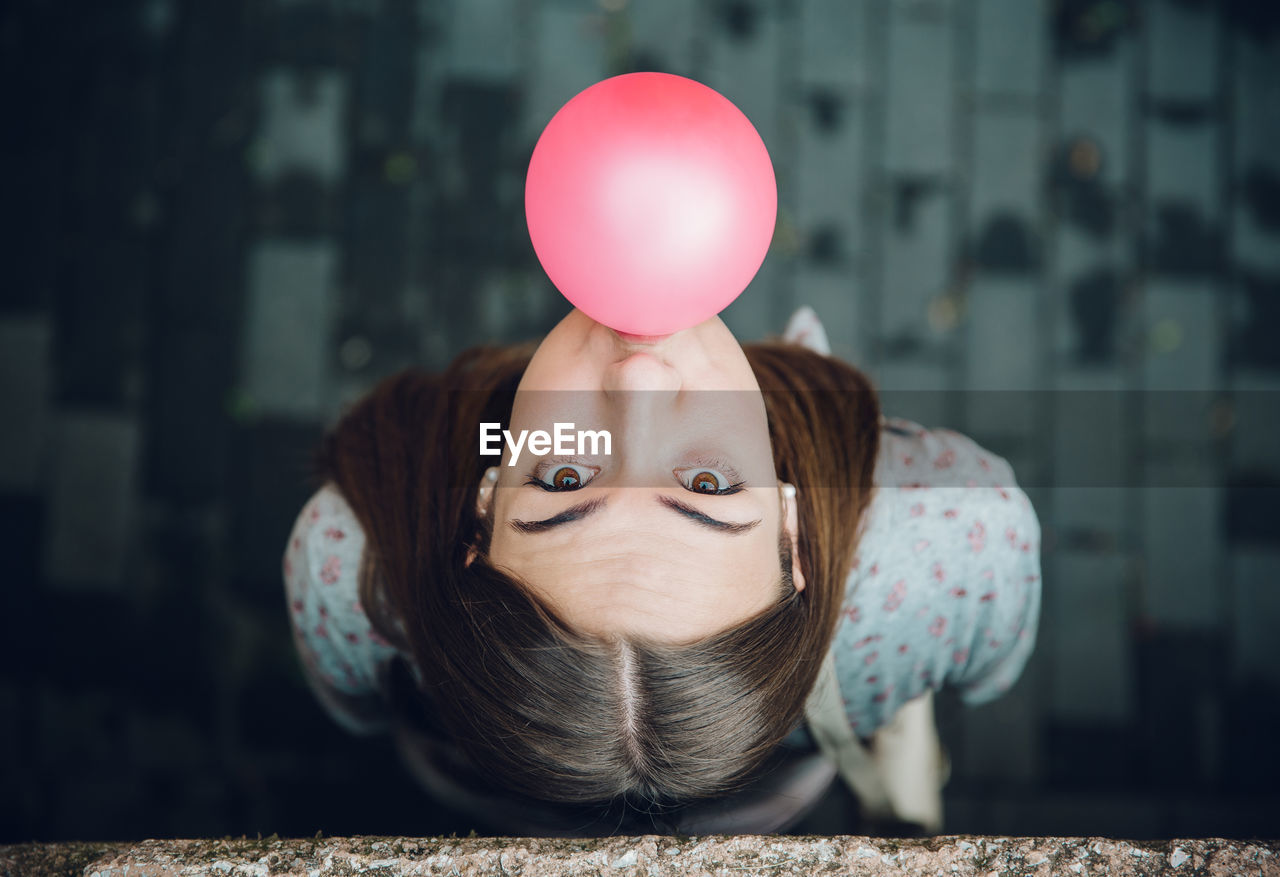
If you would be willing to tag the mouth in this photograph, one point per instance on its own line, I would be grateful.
(640, 339)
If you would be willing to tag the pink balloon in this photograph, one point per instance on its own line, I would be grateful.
(651, 202)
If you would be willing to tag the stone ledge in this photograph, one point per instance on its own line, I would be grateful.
(648, 856)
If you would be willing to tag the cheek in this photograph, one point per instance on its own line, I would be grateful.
(563, 375)
(565, 360)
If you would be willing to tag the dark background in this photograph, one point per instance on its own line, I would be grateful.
(225, 220)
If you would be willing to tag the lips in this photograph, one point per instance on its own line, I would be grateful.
(640, 339)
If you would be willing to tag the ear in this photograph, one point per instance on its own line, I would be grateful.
(791, 524)
(485, 491)
(484, 502)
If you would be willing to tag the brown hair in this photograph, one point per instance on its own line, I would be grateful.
(541, 710)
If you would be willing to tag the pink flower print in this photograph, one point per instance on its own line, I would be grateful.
(959, 656)
(353, 638)
(894, 600)
(356, 607)
(917, 510)
(324, 612)
(857, 561)
(871, 680)
(1004, 494)
(907, 459)
(945, 459)
(377, 638)
(853, 613)
(866, 640)
(322, 631)
(875, 568)
(1026, 547)
(988, 574)
(995, 643)
(977, 537)
(938, 626)
(982, 461)
(938, 573)
(950, 514)
(1011, 535)
(902, 649)
(1032, 578)
(871, 658)
(958, 592)
(288, 568)
(331, 570)
(882, 696)
(921, 545)
(333, 534)
(922, 612)
(315, 513)
(297, 605)
(296, 543)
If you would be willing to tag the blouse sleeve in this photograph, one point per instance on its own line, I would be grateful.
(946, 581)
(338, 648)
(945, 587)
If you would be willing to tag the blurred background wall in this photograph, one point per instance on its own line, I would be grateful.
(225, 220)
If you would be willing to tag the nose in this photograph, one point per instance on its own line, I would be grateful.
(641, 372)
(641, 391)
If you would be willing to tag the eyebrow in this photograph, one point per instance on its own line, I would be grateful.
(586, 509)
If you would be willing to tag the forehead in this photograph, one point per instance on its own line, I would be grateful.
(669, 584)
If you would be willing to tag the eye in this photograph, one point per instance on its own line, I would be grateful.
(557, 477)
(709, 481)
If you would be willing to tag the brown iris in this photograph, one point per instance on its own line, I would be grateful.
(705, 482)
(566, 478)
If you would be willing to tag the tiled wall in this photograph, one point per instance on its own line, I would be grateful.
(228, 219)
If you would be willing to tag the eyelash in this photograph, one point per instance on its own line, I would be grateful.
(721, 468)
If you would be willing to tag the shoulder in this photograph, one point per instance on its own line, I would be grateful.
(914, 457)
(931, 484)
(340, 651)
(943, 498)
(326, 544)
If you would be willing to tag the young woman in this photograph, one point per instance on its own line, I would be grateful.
(644, 625)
